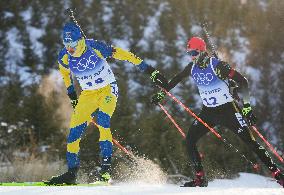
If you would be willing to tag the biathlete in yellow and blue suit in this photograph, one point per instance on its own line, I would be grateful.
(86, 60)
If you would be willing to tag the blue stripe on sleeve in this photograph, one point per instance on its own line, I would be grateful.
(143, 66)
(105, 49)
(60, 57)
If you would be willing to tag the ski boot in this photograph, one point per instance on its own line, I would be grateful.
(105, 177)
(279, 177)
(199, 181)
(68, 178)
(105, 172)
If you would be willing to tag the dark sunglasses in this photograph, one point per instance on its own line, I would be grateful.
(193, 52)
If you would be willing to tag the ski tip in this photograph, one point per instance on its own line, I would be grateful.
(22, 184)
(47, 183)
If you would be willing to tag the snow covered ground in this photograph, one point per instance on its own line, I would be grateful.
(250, 184)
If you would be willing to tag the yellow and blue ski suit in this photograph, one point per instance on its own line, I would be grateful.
(99, 92)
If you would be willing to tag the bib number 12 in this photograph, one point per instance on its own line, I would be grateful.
(212, 101)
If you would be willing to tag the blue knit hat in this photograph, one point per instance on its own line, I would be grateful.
(71, 32)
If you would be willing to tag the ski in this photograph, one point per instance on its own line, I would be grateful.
(98, 183)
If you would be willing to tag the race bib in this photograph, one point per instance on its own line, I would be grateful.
(213, 91)
(91, 71)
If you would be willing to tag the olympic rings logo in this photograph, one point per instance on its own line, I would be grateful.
(202, 78)
(84, 63)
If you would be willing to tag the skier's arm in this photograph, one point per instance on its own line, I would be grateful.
(224, 71)
(108, 51)
(66, 75)
(121, 54)
(158, 97)
(155, 75)
(180, 76)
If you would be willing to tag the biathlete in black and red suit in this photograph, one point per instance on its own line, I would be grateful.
(219, 107)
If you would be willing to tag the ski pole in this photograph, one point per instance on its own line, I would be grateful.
(116, 143)
(70, 13)
(268, 144)
(173, 121)
(193, 114)
(254, 165)
(214, 51)
(122, 147)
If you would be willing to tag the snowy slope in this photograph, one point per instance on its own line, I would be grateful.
(246, 184)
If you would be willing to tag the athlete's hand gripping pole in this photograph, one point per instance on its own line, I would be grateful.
(158, 97)
(248, 114)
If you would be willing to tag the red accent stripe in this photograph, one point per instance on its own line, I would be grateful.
(232, 73)
(275, 172)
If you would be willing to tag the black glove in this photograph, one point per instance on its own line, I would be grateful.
(247, 113)
(157, 78)
(73, 99)
(158, 97)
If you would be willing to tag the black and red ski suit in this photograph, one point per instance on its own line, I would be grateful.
(225, 112)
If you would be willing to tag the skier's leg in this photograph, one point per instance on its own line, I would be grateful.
(107, 105)
(77, 128)
(240, 128)
(88, 102)
(195, 132)
(79, 121)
